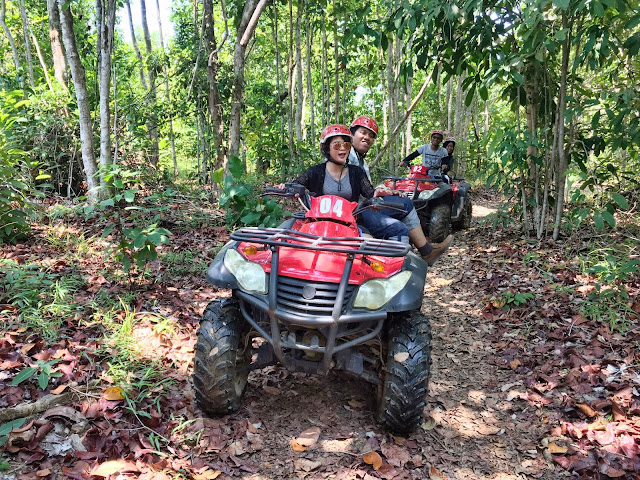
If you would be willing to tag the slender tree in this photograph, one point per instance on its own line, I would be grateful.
(152, 122)
(106, 16)
(12, 42)
(57, 52)
(82, 98)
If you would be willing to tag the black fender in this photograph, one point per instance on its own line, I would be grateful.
(460, 200)
(444, 192)
(410, 297)
(217, 274)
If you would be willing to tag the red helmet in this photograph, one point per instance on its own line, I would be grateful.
(449, 140)
(333, 131)
(436, 132)
(366, 122)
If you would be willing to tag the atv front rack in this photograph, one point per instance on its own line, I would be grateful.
(280, 237)
(333, 320)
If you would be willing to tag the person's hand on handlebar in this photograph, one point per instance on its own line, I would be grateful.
(383, 191)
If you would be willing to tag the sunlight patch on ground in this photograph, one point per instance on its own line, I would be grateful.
(480, 211)
(339, 446)
(467, 422)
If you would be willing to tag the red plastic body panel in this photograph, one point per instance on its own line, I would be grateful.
(323, 219)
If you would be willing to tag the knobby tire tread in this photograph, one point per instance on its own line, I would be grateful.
(402, 396)
(439, 223)
(216, 366)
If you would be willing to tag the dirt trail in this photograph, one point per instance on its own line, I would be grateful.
(474, 429)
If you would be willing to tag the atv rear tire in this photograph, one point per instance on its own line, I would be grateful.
(465, 217)
(439, 223)
(402, 396)
(220, 355)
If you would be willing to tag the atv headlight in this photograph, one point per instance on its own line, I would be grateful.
(375, 293)
(250, 275)
(426, 194)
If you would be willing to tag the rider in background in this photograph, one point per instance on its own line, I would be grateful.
(432, 154)
(336, 176)
(449, 145)
(365, 132)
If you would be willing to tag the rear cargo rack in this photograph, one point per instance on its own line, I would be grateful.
(280, 237)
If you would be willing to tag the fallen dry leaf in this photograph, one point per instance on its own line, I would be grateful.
(271, 390)
(373, 459)
(429, 424)
(514, 364)
(555, 448)
(305, 465)
(435, 474)
(44, 472)
(586, 409)
(306, 439)
(59, 390)
(114, 466)
(207, 475)
(113, 393)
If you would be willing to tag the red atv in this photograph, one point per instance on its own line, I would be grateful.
(315, 295)
(440, 205)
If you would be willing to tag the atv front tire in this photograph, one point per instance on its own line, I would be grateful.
(402, 396)
(439, 223)
(465, 217)
(220, 355)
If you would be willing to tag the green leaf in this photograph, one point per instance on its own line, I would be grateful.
(598, 220)
(106, 203)
(609, 218)
(620, 200)
(22, 376)
(7, 428)
(139, 241)
(235, 167)
(561, 4)
(43, 380)
(129, 195)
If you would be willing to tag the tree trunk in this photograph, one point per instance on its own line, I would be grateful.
(45, 69)
(106, 23)
(215, 99)
(82, 97)
(309, 36)
(299, 85)
(408, 136)
(325, 74)
(450, 105)
(59, 62)
(250, 15)
(152, 122)
(336, 74)
(168, 93)
(27, 43)
(561, 175)
(143, 79)
(7, 32)
(290, 81)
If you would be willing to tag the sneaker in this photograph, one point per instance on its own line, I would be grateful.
(438, 249)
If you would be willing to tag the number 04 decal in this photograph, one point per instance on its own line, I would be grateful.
(325, 206)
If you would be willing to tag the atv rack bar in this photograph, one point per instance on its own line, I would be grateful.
(280, 237)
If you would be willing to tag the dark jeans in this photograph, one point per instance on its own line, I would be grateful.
(387, 223)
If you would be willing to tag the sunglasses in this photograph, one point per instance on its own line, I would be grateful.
(339, 145)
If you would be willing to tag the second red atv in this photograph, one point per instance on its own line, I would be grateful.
(440, 205)
(313, 296)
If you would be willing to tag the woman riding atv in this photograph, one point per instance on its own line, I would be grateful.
(336, 176)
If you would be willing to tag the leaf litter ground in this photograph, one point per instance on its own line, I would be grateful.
(535, 391)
